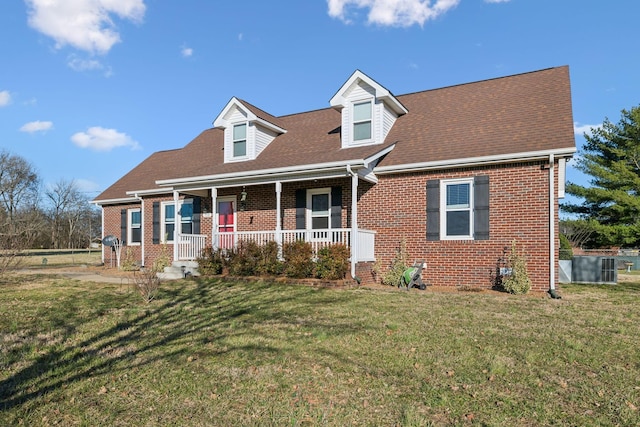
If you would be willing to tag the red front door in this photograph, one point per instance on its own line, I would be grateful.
(226, 223)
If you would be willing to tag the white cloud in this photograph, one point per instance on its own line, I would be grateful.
(240, 37)
(84, 24)
(397, 13)
(580, 129)
(186, 51)
(496, 1)
(80, 65)
(5, 98)
(101, 139)
(37, 126)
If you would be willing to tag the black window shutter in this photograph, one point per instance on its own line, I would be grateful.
(336, 207)
(301, 204)
(123, 226)
(481, 207)
(433, 210)
(156, 223)
(197, 209)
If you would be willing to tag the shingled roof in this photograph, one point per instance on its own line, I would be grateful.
(498, 118)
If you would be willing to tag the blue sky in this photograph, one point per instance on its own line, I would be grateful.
(89, 88)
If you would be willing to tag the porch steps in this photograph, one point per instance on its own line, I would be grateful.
(179, 270)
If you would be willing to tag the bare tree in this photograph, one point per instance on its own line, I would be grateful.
(68, 210)
(19, 185)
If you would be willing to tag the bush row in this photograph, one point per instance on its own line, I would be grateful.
(298, 260)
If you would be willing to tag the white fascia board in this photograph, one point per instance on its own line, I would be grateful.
(269, 125)
(221, 122)
(115, 201)
(264, 173)
(376, 156)
(478, 161)
(153, 192)
(338, 101)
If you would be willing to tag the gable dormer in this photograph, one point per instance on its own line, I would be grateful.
(247, 130)
(368, 110)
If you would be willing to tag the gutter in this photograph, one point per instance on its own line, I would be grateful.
(476, 161)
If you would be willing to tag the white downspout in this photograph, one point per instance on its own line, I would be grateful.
(354, 220)
(552, 228)
(141, 227)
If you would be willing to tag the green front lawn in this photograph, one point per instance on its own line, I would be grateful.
(217, 353)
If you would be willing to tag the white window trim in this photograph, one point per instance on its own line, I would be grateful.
(130, 227)
(309, 211)
(352, 108)
(443, 208)
(246, 156)
(163, 223)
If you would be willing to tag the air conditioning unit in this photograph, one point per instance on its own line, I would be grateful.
(594, 269)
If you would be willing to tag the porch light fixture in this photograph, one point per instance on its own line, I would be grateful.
(243, 199)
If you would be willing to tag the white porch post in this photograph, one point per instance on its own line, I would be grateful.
(214, 222)
(354, 223)
(176, 225)
(278, 213)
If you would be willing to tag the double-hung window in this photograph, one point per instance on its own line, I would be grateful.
(456, 204)
(240, 140)
(169, 219)
(135, 227)
(362, 121)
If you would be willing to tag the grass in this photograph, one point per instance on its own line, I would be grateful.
(211, 352)
(60, 258)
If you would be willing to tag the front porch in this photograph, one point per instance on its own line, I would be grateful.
(191, 245)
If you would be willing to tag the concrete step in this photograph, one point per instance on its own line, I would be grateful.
(179, 270)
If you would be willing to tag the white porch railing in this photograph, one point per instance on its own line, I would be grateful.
(191, 246)
(365, 240)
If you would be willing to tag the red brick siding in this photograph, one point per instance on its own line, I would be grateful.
(395, 208)
(519, 209)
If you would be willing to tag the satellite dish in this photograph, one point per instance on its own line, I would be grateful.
(109, 240)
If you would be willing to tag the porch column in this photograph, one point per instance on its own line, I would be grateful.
(354, 223)
(214, 220)
(278, 213)
(176, 225)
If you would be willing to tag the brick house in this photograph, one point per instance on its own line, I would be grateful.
(458, 173)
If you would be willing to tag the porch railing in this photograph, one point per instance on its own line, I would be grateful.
(191, 246)
(365, 239)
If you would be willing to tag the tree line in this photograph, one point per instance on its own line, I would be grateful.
(33, 215)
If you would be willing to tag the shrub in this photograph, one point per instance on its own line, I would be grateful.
(210, 261)
(269, 262)
(147, 283)
(566, 251)
(129, 262)
(333, 262)
(518, 281)
(398, 266)
(243, 261)
(298, 257)
(163, 260)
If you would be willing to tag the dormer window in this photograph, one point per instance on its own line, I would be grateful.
(368, 111)
(247, 130)
(362, 121)
(240, 140)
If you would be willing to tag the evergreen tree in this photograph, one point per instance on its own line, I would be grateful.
(611, 157)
